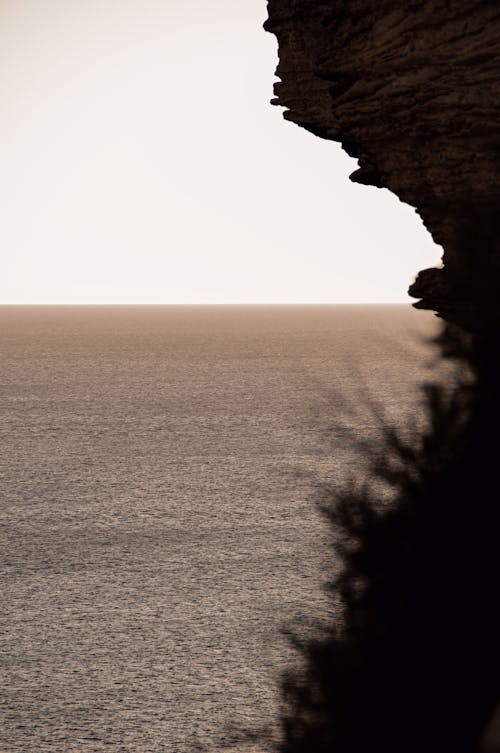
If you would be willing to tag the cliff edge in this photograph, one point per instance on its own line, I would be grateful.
(412, 90)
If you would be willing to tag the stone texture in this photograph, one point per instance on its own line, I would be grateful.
(412, 89)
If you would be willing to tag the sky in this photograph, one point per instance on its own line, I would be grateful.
(141, 162)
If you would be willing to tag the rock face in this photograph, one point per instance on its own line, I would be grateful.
(412, 89)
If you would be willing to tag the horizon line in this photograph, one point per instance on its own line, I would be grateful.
(212, 303)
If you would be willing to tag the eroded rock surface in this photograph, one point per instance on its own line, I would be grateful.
(412, 89)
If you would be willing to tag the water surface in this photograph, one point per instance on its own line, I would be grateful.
(157, 472)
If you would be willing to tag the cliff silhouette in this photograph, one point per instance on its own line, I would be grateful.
(413, 91)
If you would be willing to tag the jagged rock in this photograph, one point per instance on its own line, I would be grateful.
(412, 89)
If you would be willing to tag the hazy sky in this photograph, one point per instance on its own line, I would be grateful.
(141, 162)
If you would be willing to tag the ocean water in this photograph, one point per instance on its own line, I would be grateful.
(158, 474)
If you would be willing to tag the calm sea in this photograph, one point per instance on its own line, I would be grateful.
(158, 468)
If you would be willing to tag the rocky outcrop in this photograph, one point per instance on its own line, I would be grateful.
(412, 89)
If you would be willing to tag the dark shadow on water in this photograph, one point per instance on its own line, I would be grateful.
(414, 662)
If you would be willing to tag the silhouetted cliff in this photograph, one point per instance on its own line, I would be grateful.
(413, 91)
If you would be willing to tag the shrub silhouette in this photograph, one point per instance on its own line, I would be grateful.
(414, 666)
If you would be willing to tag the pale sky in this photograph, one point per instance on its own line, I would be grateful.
(141, 162)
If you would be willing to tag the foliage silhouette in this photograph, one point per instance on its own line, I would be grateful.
(415, 663)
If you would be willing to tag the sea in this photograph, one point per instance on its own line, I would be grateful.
(160, 471)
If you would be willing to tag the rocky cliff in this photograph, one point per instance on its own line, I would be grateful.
(412, 89)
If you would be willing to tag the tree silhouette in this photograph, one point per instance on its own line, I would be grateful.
(414, 665)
